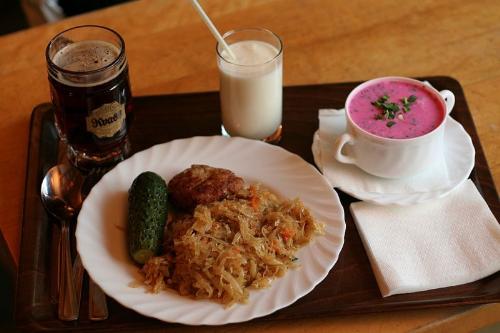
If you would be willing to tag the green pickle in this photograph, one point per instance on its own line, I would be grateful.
(147, 215)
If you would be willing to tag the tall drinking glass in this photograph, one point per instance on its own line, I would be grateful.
(90, 90)
(251, 84)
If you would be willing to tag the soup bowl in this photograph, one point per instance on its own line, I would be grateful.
(395, 127)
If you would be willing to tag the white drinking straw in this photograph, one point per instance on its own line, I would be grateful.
(212, 28)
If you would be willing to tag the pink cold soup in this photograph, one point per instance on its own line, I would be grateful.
(396, 109)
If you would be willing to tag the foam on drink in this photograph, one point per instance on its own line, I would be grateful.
(250, 53)
(87, 56)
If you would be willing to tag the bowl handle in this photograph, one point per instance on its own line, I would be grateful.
(341, 141)
(449, 100)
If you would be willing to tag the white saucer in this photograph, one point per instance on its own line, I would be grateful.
(459, 160)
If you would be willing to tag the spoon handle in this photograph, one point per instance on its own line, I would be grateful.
(98, 308)
(68, 309)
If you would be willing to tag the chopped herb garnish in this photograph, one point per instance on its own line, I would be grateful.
(295, 259)
(407, 102)
(380, 102)
(392, 107)
(390, 110)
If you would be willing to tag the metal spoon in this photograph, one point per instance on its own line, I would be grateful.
(61, 196)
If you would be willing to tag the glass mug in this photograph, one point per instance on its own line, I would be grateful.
(251, 85)
(90, 90)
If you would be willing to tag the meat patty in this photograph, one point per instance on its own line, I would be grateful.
(202, 184)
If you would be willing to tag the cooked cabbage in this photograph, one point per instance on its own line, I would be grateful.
(227, 247)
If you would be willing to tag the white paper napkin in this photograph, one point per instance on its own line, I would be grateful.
(450, 241)
(332, 124)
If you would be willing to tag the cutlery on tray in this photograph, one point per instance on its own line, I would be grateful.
(62, 201)
(98, 308)
(62, 192)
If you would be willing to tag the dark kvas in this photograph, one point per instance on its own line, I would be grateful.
(89, 84)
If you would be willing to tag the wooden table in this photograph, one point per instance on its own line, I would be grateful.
(171, 51)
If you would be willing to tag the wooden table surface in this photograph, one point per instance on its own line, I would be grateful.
(170, 51)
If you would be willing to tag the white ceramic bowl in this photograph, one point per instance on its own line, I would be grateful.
(387, 157)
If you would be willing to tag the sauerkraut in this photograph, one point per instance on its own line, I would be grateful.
(227, 247)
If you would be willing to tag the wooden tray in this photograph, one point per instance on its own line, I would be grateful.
(349, 288)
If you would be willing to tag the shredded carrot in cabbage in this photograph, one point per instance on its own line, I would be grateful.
(227, 247)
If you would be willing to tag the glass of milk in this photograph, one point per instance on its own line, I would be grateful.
(251, 85)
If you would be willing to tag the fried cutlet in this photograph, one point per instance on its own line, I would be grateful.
(202, 184)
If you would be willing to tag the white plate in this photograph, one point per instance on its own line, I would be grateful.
(101, 239)
(459, 158)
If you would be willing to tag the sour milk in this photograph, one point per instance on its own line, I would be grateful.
(251, 89)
